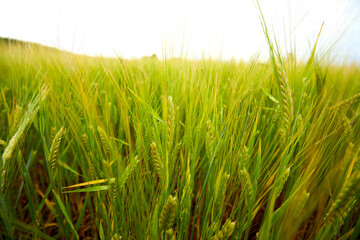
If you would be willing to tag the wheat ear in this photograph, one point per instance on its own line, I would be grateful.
(338, 222)
(282, 181)
(104, 140)
(244, 157)
(16, 119)
(170, 122)
(117, 236)
(170, 234)
(16, 141)
(247, 185)
(349, 152)
(157, 161)
(129, 169)
(85, 141)
(112, 188)
(226, 230)
(2, 143)
(287, 104)
(19, 135)
(352, 185)
(210, 139)
(220, 187)
(187, 189)
(4, 183)
(299, 201)
(52, 133)
(55, 146)
(347, 102)
(168, 213)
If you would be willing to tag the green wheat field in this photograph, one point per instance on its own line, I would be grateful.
(109, 148)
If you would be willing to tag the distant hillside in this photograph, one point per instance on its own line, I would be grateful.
(24, 43)
(10, 41)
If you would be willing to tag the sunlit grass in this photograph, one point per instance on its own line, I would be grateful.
(177, 149)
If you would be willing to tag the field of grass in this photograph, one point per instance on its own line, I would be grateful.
(99, 148)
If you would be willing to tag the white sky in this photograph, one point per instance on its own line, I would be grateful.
(192, 28)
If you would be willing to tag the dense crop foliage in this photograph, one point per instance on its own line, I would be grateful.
(172, 149)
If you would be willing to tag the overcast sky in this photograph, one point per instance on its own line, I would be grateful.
(192, 28)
